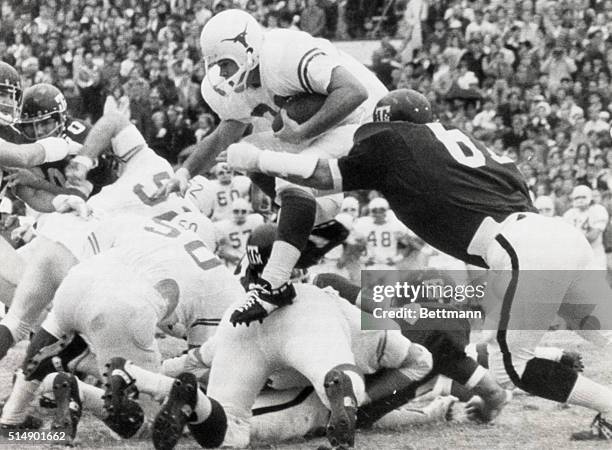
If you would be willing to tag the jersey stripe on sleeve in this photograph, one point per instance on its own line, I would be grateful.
(303, 68)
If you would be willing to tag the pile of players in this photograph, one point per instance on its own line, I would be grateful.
(118, 258)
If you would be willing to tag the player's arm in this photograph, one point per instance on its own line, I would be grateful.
(31, 155)
(344, 94)
(363, 168)
(204, 155)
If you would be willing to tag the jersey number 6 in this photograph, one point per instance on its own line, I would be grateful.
(462, 149)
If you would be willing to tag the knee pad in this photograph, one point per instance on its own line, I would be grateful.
(548, 379)
(211, 432)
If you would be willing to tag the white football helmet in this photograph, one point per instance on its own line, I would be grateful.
(235, 35)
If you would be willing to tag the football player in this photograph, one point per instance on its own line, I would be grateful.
(228, 187)
(144, 274)
(250, 74)
(44, 115)
(296, 337)
(141, 171)
(15, 150)
(379, 235)
(232, 234)
(591, 219)
(479, 211)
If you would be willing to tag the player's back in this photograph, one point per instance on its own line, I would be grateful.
(134, 191)
(439, 182)
(289, 66)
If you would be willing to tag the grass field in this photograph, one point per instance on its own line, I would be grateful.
(527, 423)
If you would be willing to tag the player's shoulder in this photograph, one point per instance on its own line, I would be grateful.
(374, 131)
(285, 58)
(598, 211)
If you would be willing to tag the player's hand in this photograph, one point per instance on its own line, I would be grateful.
(21, 177)
(179, 183)
(76, 172)
(72, 203)
(292, 131)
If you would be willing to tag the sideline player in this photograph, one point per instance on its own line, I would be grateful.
(233, 233)
(251, 72)
(227, 188)
(472, 204)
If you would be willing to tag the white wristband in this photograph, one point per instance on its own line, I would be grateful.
(243, 156)
(85, 161)
(55, 148)
(284, 164)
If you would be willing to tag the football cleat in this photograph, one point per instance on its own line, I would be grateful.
(69, 405)
(124, 415)
(601, 430)
(176, 411)
(340, 429)
(261, 301)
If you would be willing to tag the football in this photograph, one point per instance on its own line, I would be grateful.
(300, 108)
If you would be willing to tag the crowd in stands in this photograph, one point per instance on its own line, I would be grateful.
(532, 79)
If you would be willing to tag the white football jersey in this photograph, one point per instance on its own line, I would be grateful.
(202, 193)
(290, 63)
(233, 236)
(225, 194)
(381, 239)
(161, 251)
(595, 217)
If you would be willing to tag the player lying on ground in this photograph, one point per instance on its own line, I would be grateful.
(472, 204)
(251, 72)
(141, 171)
(149, 274)
(295, 339)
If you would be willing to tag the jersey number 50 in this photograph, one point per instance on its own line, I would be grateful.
(462, 149)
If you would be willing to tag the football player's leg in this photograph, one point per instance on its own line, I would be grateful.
(41, 278)
(239, 372)
(12, 264)
(295, 222)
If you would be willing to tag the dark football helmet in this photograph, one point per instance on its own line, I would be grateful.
(43, 112)
(404, 105)
(10, 94)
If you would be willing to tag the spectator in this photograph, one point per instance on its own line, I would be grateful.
(313, 19)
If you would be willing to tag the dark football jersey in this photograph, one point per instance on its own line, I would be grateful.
(99, 177)
(439, 182)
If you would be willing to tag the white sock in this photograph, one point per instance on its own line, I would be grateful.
(16, 407)
(91, 397)
(283, 258)
(154, 384)
(591, 395)
(358, 386)
(203, 408)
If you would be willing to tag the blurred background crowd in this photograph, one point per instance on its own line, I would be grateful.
(532, 79)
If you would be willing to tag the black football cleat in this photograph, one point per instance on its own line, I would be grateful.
(68, 406)
(176, 411)
(601, 430)
(340, 429)
(261, 301)
(124, 415)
